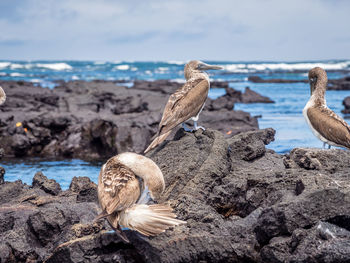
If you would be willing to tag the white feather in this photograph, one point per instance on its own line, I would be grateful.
(140, 214)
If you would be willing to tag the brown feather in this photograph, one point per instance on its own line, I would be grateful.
(158, 140)
(330, 125)
(184, 104)
(118, 187)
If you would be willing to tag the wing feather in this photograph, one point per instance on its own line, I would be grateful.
(118, 187)
(334, 129)
(184, 104)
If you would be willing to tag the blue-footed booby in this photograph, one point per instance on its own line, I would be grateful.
(186, 103)
(125, 185)
(324, 123)
(2, 96)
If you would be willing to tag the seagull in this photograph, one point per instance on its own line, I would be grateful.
(324, 123)
(2, 96)
(186, 103)
(127, 182)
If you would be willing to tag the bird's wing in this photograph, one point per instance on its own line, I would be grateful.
(330, 125)
(185, 103)
(118, 187)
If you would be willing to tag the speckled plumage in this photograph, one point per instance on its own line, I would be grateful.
(122, 184)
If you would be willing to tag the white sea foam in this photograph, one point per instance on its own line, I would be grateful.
(122, 67)
(16, 74)
(245, 68)
(176, 62)
(16, 66)
(4, 64)
(36, 80)
(54, 66)
(75, 77)
(163, 68)
(100, 62)
(3, 74)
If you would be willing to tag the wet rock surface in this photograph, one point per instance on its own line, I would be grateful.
(242, 203)
(94, 120)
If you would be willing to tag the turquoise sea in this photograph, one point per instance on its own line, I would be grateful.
(285, 115)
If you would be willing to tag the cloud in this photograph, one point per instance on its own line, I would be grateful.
(183, 29)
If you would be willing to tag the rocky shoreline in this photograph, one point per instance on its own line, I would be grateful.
(92, 120)
(242, 203)
(333, 84)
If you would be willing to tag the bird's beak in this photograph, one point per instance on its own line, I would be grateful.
(204, 66)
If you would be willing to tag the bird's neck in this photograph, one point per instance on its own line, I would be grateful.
(146, 169)
(197, 75)
(318, 95)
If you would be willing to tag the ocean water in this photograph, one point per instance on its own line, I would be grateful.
(285, 115)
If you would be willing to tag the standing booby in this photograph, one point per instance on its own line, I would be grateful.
(126, 183)
(186, 103)
(324, 123)
(2, 96)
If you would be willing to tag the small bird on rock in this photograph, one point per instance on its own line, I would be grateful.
(186, 103)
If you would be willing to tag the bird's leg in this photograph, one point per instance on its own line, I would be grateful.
(186, 128)
(196, 127)
(329, 146)
(324, 145)
(121, 234)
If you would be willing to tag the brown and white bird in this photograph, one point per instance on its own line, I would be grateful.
(324, 123)
(125, 185)
(2, 96)
(186, 103)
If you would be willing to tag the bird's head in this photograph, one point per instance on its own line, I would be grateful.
(196, 66)
(317, 77)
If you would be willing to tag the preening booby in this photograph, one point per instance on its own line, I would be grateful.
(324, 123)
(126, 183)
(2, 96)
(186, 103)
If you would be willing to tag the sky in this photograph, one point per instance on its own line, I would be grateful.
(159, 30)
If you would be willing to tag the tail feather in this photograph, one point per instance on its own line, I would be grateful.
(158, 140)
(149, 220)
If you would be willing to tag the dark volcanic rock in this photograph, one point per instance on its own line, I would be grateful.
(2, 173)
(2, 169)
(257, 79)
(242, 203)
(346, 103)
(339, 84)
(85, 188)
(233, 96)
(97, 119)
(48, 185)
(250, 96)
(333, 84)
